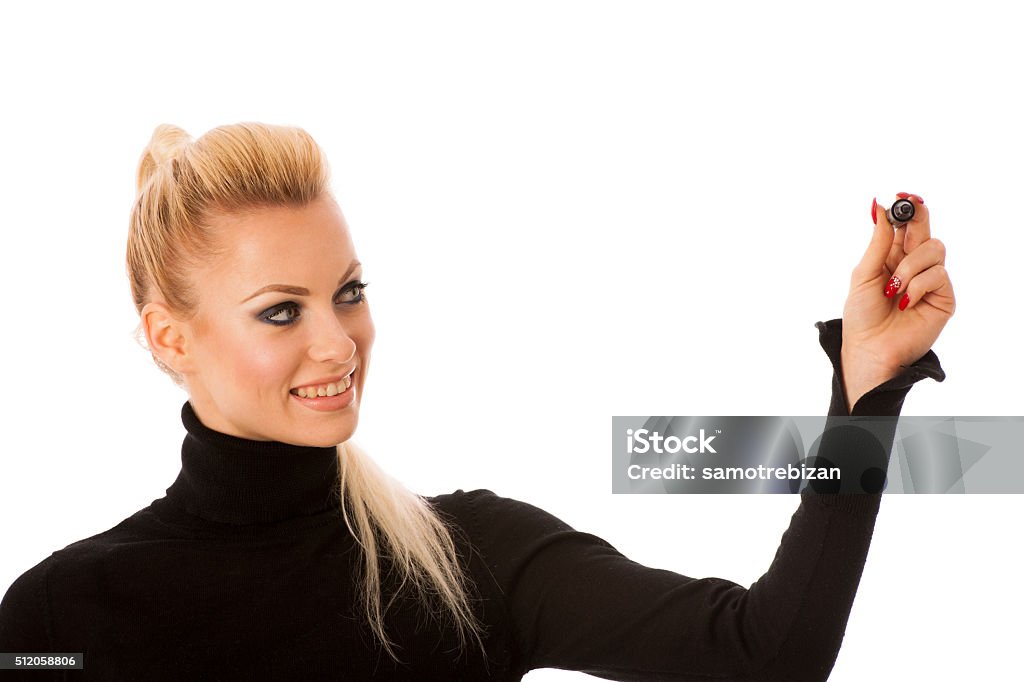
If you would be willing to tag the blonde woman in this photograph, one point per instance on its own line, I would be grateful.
(281, 551)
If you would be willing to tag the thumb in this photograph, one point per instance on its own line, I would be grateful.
(881, 243)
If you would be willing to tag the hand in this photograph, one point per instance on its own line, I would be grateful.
(900, 299)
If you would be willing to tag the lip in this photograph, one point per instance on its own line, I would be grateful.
(325, 380)
(330, 403)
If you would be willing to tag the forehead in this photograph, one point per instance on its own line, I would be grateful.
(280, 244)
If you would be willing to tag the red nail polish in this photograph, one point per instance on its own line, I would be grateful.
(874, 215)
(918, 199)
(904, 301)
(892, 287)
(902, 195)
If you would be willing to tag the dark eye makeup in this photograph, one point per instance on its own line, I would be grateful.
(270, 314)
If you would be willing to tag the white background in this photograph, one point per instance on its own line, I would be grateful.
(566, 211)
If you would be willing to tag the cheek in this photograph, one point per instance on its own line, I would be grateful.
(364, 338)
(257, 365)
(364, 335)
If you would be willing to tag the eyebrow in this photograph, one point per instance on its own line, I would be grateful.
(298, 291)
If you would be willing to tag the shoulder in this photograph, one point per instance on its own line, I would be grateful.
(75, 562)
(24, 610)
(484, 506)
(137, 528)
(510, 533)
(30, 586)
(68, 576)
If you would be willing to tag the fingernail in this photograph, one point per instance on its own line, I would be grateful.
(904, 301)
(918, 199)
(874, 215)
(902, 195)
(892, 287)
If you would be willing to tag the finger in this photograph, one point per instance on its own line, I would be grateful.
(874, 258)
(896, 253)
(929, 254)
(931, 287)
(919, 228)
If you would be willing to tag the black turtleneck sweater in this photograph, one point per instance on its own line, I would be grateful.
(243, 571)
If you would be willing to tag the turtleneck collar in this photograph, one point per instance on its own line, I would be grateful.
(234, 480)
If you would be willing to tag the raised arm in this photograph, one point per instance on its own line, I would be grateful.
(575, 602)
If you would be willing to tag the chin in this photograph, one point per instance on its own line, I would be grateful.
(329, 435)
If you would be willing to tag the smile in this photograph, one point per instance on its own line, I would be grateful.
(327, 396)
(323, 390)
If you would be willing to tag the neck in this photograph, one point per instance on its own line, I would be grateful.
(228, 479)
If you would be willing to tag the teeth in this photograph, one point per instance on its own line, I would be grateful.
(324, 390)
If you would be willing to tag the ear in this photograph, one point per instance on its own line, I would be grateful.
(166, 336)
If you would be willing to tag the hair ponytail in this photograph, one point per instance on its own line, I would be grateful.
(391, 522)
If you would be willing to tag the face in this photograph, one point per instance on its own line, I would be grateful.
(251, 345)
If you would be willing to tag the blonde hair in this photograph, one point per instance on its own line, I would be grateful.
(181, 184)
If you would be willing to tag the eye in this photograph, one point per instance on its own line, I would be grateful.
(286, 313)
(275, 317)
(357, 288)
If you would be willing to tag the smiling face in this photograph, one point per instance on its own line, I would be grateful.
(245, 353)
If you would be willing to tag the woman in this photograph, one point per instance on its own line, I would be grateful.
(282, 552)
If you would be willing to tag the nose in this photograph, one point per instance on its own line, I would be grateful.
(331, 341)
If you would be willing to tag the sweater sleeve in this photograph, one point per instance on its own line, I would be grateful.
(574, 602)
